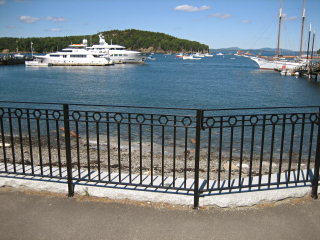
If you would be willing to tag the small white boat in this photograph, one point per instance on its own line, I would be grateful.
(190, 57)
(220, 54)
(18, 56)
(180, 55)
(198, 55)
(208, 55)
(37, 62)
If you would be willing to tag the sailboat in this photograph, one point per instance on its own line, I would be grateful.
(278, 63)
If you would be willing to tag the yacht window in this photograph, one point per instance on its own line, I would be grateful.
(78, 56)
(116, 55)
(54, 55)
(66, 50)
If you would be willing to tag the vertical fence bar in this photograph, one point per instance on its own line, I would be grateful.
(3, 143)
(315, 180)
(68, 149)
(197, 159)
(12, 142)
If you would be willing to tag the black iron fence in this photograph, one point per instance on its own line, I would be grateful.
(194, 151)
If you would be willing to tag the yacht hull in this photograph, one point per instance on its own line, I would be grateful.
(277, 64)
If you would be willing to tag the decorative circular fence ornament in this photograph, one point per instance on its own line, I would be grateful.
(96, 116)
(210, 122)
(186, 121)
(118, 117)
(18, 112)
(294, 118)
(56, 115)
(232, 121)
(76, 115)
(163, 120)
(140, 118)
(37, 114)
(274, 119)
(254, 120)
(313, 118)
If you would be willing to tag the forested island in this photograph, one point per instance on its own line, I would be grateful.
(132, 39)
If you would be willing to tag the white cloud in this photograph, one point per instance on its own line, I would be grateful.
(246, 21)
(56, 19)
(28, 19)
(188, 8)
(219, 15)
(2, 2)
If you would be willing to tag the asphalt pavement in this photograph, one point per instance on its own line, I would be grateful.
(42, 215)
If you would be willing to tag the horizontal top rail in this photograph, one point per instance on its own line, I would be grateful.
(165, 108)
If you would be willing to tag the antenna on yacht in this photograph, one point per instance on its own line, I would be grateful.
(302, 26)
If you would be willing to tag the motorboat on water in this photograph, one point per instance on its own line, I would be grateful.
(74, 55)
(198, 55)
(37, 62)
(117, 53)
(190, 57)
(180, 55)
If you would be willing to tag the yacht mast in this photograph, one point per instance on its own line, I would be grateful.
(302, 27)
(280, 21)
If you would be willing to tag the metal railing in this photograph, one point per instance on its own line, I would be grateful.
(193, 151)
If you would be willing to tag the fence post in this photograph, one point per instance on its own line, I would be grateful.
(68, 149)
(315, 180)
(197, 159)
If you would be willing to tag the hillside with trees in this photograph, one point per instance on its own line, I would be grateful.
(132, 39)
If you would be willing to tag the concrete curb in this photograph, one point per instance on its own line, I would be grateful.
(234, 198)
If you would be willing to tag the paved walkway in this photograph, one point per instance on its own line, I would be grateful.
(30, 215)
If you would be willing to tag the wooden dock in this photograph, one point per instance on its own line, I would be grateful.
(311, 71)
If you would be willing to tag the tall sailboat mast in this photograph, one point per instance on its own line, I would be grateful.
(302, 26)
(279, 32)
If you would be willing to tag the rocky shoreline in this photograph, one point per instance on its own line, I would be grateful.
(140, 158)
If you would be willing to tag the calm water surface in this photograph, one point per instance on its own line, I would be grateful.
(218, 82)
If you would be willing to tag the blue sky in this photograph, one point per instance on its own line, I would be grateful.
(217, 23)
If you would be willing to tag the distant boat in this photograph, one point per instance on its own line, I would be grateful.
(198, 55)
(180, 55)
(151, 58)
(190, 57)
(220, 54)
(208, 55)
(37, 62)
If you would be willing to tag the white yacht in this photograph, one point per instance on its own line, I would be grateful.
(118, 54)
(74, 55)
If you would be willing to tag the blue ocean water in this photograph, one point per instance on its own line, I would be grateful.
(219, 82)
